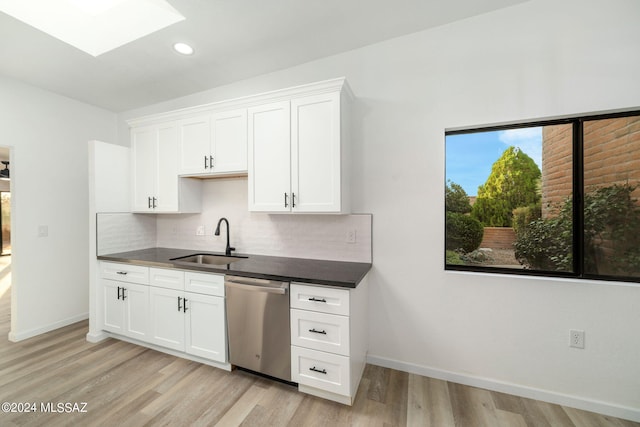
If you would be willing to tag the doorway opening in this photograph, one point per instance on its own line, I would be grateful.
(5, 242)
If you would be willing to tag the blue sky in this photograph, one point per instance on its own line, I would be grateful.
(469, 156)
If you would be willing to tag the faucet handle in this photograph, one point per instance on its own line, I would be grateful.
(232, 249)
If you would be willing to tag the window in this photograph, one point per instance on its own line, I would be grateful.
(553, 198)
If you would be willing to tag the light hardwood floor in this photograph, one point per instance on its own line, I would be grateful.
(126, 385)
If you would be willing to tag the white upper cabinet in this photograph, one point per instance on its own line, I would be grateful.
(293, 145)
(316, 177)
(156, 186)
(270, 157)
(229, 141)
(194, 144)
(298, 155)
(144, 164)
(213, 144)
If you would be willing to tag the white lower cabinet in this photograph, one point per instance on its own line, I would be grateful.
(189, 322)
(205, 329)
(167, 318)
(125, 308)
(160, 309)
(321, 370)
(328, 340)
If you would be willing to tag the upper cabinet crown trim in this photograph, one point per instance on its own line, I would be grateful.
(287, 94)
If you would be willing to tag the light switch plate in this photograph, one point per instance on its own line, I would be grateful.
(43, 231)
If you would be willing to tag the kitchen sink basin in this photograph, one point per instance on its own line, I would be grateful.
(209, 259)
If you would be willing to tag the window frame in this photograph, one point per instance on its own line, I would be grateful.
(577, 122)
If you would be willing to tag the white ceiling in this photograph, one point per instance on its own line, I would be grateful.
(234, 40)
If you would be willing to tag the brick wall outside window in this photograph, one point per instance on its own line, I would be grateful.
(611, 156)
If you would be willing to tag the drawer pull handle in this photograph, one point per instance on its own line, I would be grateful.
(318, 332)
(124, 273)
(323, 371)
(317, 300)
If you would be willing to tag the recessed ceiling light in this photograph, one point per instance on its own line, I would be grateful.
(183, 48)
(94, 26)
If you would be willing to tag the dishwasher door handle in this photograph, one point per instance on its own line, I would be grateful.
(280, 289)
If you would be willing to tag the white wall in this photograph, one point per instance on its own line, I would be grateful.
(536, 60)
(48, 136)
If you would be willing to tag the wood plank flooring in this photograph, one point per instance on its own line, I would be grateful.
(126, 385)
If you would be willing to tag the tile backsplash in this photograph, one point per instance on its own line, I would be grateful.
(122, 232)
(287, 235)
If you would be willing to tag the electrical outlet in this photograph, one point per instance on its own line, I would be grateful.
(351, 236)
(576, 338)
(200, 230)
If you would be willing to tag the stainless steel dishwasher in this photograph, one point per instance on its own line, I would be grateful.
(258, 325)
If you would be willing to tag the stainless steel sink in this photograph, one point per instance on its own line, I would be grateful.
(209, 259)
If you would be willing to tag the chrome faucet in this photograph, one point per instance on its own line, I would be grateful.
(228, 249)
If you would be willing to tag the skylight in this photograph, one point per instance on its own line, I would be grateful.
(94, 26)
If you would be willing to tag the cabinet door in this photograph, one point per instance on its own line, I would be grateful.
(167, 318)
(269, 157)
(136, 305)
(315, 153)
(144, 166)
(166, 172)
(194, 144)
(112, 307)
(229, 141)
(206, 331)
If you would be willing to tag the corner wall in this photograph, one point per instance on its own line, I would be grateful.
(539, 59)
(48, 135)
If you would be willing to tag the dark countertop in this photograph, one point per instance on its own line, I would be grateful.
(319, 272)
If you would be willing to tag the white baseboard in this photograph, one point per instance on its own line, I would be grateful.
(577, 402)
(95, 337)
(19, 336)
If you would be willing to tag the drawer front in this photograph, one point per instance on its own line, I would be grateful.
(320, 331)
(317, 298)
(124, 272)
(203, 283)
(165, 278)
(321, 370)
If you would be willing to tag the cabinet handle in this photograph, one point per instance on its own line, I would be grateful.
(285, 200)
(124, 295)
(205, 163)
(154, 202)
(149, 202)
(124, 273)
(317, 300)
(211, 162)
(119, 292)
(293, 200)
(179, 303)
(323, 371)
(184, 309)
(318, 332)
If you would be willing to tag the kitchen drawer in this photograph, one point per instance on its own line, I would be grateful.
(124, 272)
(326, 371)
(203, 283)
(317, 298)
(320, 331)
(166, 278)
